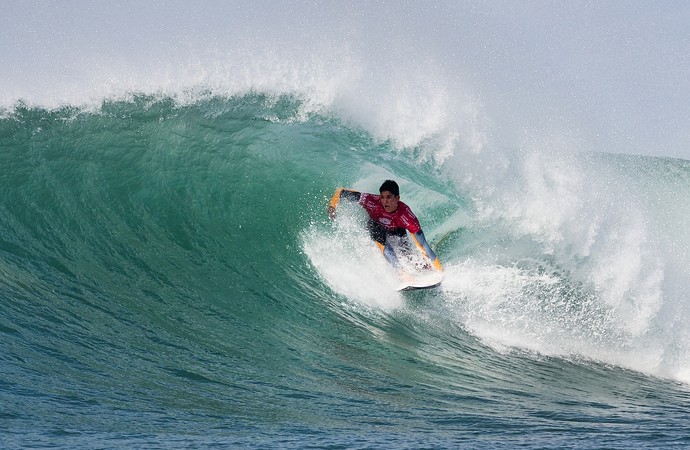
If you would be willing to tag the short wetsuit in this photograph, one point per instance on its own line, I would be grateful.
(382, 224)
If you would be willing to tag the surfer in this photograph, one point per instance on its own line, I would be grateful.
(389, 218)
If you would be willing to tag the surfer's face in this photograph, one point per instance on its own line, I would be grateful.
(389, 201)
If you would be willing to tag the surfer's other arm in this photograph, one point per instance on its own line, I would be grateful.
(347, 194)
(424, 246)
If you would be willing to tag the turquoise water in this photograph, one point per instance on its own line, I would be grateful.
(169, 279)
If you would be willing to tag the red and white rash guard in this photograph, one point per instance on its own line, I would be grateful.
(403, 217)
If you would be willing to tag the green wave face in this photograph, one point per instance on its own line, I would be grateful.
(168, 268)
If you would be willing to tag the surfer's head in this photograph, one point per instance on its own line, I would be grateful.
(390, 186)
(390, 195)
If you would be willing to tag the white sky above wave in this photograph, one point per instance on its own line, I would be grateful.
(614, 74)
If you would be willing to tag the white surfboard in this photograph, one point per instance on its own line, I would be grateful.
(428, 279)
(416, 272)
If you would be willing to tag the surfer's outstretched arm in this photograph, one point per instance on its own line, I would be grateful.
(389, 254)
(348, 194)
(424, 246)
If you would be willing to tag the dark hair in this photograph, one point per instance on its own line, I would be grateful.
(390, 186)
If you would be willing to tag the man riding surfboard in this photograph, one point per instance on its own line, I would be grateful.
(389, 219)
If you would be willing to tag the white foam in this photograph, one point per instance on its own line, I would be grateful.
(594, 223)
(350, 264)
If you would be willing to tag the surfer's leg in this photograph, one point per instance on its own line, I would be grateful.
(380, 235)
(390, 255)
(377, 232)
(403, 243)
(397, 239)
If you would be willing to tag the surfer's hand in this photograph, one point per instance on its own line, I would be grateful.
(331, 212)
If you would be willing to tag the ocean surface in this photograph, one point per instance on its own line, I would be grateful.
(169, 277)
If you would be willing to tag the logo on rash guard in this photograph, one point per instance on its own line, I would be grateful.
(385, 221)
